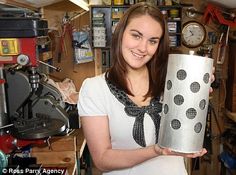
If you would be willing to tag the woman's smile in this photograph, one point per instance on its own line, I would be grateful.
(137, 55)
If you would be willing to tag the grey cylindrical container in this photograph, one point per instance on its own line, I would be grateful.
(185, 103)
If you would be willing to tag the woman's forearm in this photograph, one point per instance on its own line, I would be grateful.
(113, 159)
(96, 132)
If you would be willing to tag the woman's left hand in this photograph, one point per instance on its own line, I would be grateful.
(193, 155)
(212, 79)
(168, 151)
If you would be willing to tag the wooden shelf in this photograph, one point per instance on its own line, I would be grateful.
(108, 10)
(19, 4)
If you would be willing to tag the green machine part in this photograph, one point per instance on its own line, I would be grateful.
(3, 161)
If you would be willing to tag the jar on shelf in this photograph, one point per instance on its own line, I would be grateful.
(174, 13)
(161, 2)
(118, 2)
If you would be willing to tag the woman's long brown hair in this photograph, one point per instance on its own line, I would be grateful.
(157, 66)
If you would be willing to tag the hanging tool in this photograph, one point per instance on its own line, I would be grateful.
(66, 30)
(214, 12)
(58, 69)
(79, 45)
(222, 46)
(224, 18)
(191, 12)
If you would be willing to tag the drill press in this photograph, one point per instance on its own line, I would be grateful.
(30, 109)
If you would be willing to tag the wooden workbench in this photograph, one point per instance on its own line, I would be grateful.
(64, 151)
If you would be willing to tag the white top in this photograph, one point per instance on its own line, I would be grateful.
(96, 99)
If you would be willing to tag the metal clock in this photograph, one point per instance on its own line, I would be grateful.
(193, 34)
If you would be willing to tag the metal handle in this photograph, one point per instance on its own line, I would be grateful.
(58, 69)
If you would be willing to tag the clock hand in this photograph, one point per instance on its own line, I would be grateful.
(191, 32)
(190, 35)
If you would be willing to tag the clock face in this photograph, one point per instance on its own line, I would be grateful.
(193, 34)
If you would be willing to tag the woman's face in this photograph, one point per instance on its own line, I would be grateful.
(140, 41)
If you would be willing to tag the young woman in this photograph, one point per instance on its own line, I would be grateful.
(120, 110)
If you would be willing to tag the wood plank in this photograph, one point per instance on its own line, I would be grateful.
(232, 62)
(230, 101)
(73, 142)
(58, 144)
(18, 4)
(65, 151)
(70, 168)
(98, 61)
(64, 5)
(188, 165)
(55, 157)
(231, 115)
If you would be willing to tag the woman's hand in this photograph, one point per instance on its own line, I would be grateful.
(168, 151)
(212, 79)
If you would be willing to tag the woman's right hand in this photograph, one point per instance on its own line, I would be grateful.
(168, 151)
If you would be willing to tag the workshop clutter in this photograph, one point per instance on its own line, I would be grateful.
(227, 20)
(99, 30)
(227, 156)
(67, 89)
(82, 48)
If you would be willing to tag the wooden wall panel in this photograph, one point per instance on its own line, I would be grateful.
(77, 72)
(231, 81)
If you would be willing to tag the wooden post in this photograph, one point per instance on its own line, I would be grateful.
(98, 61)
